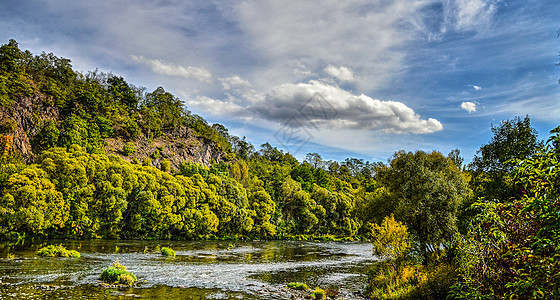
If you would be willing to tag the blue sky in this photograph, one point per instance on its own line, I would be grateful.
(342, 78)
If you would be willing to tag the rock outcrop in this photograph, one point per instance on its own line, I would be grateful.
(22, 121)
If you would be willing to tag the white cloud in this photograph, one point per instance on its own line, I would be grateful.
(341, 73)
(465, 15)
(233, 82)
(359, 34)
(164, 68)
(322, 106)
(476, 87)
(469, 106)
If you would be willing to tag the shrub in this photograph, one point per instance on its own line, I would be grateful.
(298, 286)
(128, 148)
(57, 251)
(118, 273)
(155, 154)
(167, 251)
(165, 165)
(73, 253)
(318, 293)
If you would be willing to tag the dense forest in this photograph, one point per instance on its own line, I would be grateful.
(486, 230)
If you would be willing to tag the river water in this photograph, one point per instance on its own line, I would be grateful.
(200, 270)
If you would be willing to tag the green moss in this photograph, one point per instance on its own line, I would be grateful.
(57, 251)
(167, 251)
(117, 273)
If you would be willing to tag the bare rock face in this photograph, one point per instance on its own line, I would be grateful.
(177, 147)
(27, 114)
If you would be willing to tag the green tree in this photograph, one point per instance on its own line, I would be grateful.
(427, 189)
(122, 91)
(31, 204)
(512, 139)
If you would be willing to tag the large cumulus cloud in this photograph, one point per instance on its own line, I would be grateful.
(322, 106)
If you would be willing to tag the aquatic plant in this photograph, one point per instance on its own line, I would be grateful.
(167, 251)
(117, 273)
(57, 251)
(319, 293)
(298, 286)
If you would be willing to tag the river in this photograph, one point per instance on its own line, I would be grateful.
(200, 270)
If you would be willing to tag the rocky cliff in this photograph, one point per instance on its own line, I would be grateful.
(21, 122)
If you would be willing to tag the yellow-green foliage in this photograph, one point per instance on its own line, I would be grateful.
(389, 282)
(298, 286)
(117, 273)
(129, 148)
(165, 165)
(57, 251)
(167, 251)
(408, 281)
(390, 239)
(318, 293)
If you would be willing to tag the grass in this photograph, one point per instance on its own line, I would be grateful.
(57, 251)
(117, 273)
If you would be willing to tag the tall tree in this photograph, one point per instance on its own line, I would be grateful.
(513, 139)
(427, 189)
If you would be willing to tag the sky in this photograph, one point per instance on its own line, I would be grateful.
(343, 79)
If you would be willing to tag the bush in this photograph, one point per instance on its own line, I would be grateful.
(57, 251)
(165, 165)
(298, 286)
(117, 273)
(155, 154)
(167, 251)
(128, 148)
(319, 293)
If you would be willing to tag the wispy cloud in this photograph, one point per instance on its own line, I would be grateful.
(169, 69)
(476, 87)
(469, 106)
(471, 14)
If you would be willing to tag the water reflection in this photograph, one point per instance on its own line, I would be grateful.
(201, 269)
